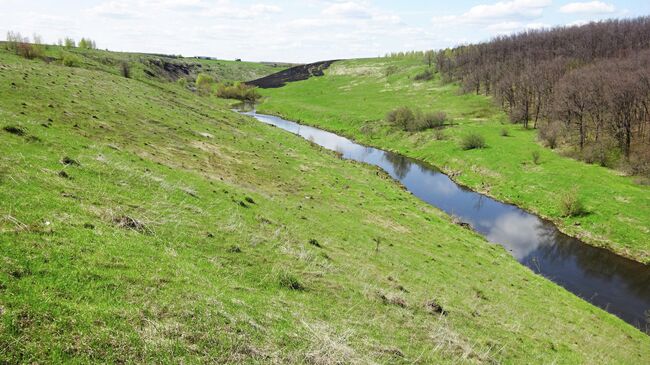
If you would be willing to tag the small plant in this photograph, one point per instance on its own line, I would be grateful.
(182, 82)
(472, 141)
(439, 135)
(536, 156)
(570, 204)
(289, 281)
(505, 132)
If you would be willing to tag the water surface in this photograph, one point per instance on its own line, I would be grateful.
(614, 283)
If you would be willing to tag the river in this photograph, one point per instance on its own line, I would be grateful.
(609, 281)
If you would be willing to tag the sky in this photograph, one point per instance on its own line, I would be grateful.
(296, 31)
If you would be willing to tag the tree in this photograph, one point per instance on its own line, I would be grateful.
(429, 57)
(69, 42)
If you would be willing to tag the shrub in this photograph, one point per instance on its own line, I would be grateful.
(640, 161)
(204, 83)
(289, 281)
(433, 119)
(570, 204)
(125, 69)
(182, 82)
(505, 132)
(239, 91)
(536, 156)
(401, 117)
(70, 60)
(472, 141)
(601, 152)
(425, 75)
(439, 135)
(551, 133)
(390, 70)
(408, 120)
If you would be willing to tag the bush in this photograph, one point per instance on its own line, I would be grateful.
(425, 75)
(405, 119)
(433, 119)
(182, 82)
(125, 69)
(204, 83)
(390, 70)
(70, 60)
(472, 141)
(30, 51)
(401, 117)
(239, 91)
(640, 161)
(550, 133)
(505, 132)
(570, 204)
(439, 135)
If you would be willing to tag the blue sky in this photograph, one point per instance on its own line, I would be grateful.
(297, 31)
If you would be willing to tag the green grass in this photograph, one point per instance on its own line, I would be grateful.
(185, 234)
(354, 96)
(108, 61)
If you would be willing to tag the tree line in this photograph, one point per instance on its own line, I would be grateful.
(587, 86)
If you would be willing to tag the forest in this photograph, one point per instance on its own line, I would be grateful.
(584, 87)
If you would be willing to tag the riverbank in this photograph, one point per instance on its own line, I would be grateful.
(354, 96)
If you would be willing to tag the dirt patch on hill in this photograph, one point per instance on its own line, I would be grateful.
(297, 73)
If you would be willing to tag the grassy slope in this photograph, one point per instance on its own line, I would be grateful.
(221, 70)
(354, 96)
(77, 287)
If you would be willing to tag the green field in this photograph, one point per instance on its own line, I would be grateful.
(141, 223)
(354, 96)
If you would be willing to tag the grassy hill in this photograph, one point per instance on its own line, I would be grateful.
(142, 223)
(354, 96)
(147, 67)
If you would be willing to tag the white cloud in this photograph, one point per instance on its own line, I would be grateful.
(348, 10)
(500, 12)
(591, 7)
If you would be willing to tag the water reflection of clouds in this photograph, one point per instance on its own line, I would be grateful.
(520, 234)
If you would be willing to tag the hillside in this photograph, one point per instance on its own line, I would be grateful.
(143, 66)
(142, 223)
(354, 97)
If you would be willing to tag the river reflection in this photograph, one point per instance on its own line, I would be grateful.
(616, 284)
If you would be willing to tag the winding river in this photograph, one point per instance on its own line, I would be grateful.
(614, 283)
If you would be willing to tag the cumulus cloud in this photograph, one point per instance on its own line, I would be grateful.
(500, 12)
(591, 7)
